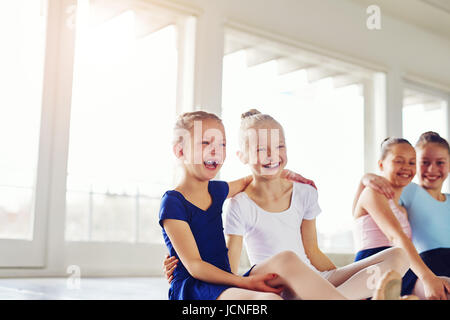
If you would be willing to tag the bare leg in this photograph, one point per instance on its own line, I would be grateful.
(359, 279)
(244, 294)
(420, 292)
(299, 280)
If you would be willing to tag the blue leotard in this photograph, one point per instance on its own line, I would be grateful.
(207, 229)
(430, 224)
(429, 218)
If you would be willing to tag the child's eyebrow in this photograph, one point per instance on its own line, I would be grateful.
(209, 139)
(427, 158)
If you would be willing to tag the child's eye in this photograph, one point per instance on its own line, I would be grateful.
(205, 142)
(280, 147)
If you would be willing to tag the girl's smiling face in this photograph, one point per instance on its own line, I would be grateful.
(399, 165)
(265, 149)
(433, 165)
(203, 150)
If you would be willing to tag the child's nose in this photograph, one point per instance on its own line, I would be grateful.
(432, 168)
(216, 149)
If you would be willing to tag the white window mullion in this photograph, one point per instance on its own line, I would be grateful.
(394, 103)
(59, 86)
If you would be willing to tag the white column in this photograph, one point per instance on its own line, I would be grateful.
(379, 121)
(186, 60)
(209, 59)
(394, 103)
(370, 140)
(388, 107)
(383, 106)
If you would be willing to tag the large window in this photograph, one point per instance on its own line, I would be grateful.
(124, 96)
(22, 32)
(322, 112)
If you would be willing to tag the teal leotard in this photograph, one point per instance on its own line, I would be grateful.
(429, 218)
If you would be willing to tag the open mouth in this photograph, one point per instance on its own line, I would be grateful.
(405, 175)
(211, 164)
(271, 165)
(432, 178)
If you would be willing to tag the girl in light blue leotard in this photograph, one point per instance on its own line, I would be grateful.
(428, 207)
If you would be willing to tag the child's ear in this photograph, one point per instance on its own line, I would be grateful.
(242, 157)
(178, 150)
(380, 165)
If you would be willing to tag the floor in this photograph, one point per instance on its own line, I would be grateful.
(87, 289)
(126, 288)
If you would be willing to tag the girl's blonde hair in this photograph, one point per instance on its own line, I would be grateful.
(185, 122)
(250, 119)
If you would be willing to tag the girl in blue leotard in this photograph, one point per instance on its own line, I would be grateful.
(428, 213)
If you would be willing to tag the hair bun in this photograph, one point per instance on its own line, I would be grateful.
(430, 134)
(249, 113)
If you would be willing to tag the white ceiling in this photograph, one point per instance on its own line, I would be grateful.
(431, 15)
(439, 4)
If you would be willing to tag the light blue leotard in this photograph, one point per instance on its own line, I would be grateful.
(429, 218)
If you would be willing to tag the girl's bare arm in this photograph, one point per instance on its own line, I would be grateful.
(239, 185)
(234, 245)
(377, 183)
(309, 237)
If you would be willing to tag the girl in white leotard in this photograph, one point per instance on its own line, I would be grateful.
(272, 216)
